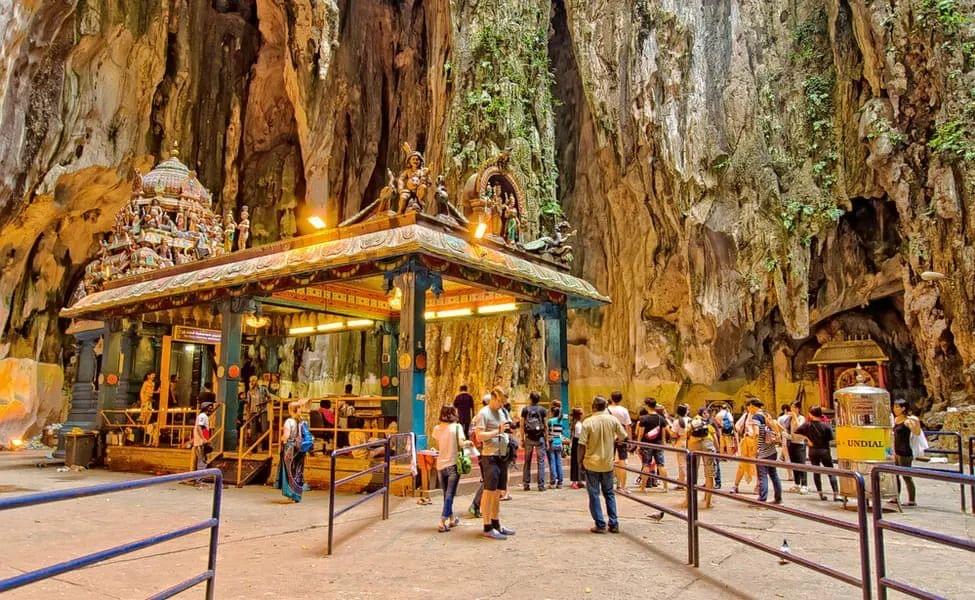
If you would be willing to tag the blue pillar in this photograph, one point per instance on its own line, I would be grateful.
(556, 352)
(414, 284)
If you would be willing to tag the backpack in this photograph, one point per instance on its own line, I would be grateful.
(727, 426)
(305, 440)
(534, 425)
(699, 428)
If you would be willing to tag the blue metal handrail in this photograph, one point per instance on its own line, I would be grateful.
(90, 559)
(933, 436)
(880, 525)
(387, 445)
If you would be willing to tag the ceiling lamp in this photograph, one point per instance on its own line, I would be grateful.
(480, 230)
(355, 323)
(454, 312)
(301, 330)
(395, 299)
(256, 321)
(493, 309)
(333, 326)
(429, 315)
(932, 276)
(316, 222)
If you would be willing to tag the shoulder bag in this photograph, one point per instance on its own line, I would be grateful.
(463, 461)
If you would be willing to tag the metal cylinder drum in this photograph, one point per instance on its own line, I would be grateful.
(864, 435)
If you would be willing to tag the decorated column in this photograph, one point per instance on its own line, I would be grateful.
(128, 345)
(111, 365)
(84, 402)
(414, 282)
(556, 352)
(228, 369)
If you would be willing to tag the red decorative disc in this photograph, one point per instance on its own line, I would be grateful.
(384, 381)
(421, 361)
(553, 375)
(112, 379)
(233, 371)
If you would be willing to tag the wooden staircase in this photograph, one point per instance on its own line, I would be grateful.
(253, 468)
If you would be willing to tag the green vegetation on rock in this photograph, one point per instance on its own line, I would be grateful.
(505, 101)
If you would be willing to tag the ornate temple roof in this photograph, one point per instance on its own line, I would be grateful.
(172, 178)
(343, 252)
(849, 352)
(168, 221)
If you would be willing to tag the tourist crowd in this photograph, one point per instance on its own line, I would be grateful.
(599, 448)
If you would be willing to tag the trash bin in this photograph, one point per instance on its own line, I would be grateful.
(79, 448)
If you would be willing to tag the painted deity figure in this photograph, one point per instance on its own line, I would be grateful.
(165, 254)
(154, 216)
(440, 195)
(243, 228)
(497, 210)
(512, 222)
(229, 231)
(180, 223)
(414, 181)
(133, 214)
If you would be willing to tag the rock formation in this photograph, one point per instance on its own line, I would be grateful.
(748, 178)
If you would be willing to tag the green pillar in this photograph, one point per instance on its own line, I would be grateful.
(228, 371)
(84, 402)
(111, 366)
(556, 352)
(414, 284)
(128, 345)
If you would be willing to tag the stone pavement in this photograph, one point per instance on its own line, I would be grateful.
(270, 548)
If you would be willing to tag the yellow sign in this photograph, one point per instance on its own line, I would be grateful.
(860, 444)
(196, 335)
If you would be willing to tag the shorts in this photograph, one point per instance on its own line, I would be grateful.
(494, 471)
(652, 455)
(621, 451)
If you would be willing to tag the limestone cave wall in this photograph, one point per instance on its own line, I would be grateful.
(746, 177)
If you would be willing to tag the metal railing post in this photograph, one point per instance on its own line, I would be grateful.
(386, 482)
(694, 537)
(878, 533)
(863, 542)
(214, 533)
(331, 502)
(971, 467)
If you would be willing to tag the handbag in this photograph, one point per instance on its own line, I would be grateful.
(919, 443)
(463, 461)
(511, 452)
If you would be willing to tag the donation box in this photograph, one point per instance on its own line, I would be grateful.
(864, 435)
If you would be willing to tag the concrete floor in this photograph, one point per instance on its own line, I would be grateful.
(270, 548)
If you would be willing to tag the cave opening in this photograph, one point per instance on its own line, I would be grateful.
(882, 321)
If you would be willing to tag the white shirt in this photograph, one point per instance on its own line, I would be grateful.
(446, 435)
(202, 422)
(288, 431)
(622, 415)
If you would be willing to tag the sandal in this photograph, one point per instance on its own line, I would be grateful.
(444, 527)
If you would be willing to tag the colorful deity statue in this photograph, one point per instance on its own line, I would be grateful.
(512, 220)
(243, 228)
(413, 183)
(229, 231)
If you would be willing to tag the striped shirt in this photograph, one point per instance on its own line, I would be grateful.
(556, 431)
(765, 450)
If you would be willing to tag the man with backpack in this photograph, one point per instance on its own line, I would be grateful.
(652, 428)
(534, 417)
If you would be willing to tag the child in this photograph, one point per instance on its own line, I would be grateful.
(556, 430)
